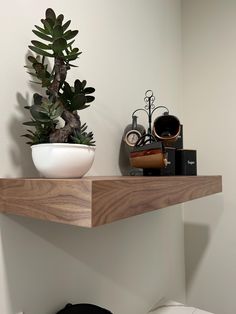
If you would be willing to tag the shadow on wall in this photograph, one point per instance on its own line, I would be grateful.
(201, 218)
(20, 152)
(123, 266)
(196, 242)
(124, 163)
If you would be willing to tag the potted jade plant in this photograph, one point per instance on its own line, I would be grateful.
(61, 145)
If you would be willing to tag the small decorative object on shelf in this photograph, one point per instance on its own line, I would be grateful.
(148, 156)
(83, 308)
(133, 132)
(168, 170)
(61, 144)
(159, 151)
(130, 136)
(149, 150)
(178, 144)
(186, 162)
(166, 128)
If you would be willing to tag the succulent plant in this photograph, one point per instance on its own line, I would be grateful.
(61, 100)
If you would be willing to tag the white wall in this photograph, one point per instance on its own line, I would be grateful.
(129, 46)
(209, 37)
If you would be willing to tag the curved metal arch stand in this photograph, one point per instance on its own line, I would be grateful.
(149, 109)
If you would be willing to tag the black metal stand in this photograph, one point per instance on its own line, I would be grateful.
(149, 109)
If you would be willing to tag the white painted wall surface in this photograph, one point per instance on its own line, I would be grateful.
(209, 37)
(129, 46)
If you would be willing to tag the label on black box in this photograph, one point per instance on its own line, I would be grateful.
(186, 162)
(191, 163)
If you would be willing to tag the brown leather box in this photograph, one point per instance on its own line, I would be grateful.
(169, 170)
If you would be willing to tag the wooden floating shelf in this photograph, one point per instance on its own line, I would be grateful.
(94, 201)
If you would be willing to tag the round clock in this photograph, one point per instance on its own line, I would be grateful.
(132, 137)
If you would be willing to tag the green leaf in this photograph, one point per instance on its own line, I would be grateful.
(30, 136)
(78, 101)
(78, 86)
(83, 127)
(72, 65)
(33, 74)
(83, 107)
(32, 59)
(38, 67)
(59, 45)
(70, 34)
(89, 99)
(57, 31)
(70, 43)
(42, 36)
(74, 51)
(84, 82)
(56, 110)
(30, 131)
(42, 30)
(47, 26)
(35, 82)
(39, 113)
(46, 82)
(82, 137)
(51, 22)
(67, 90)
(66, 25)
(37, 99)
(39, 109)
(60, 19)
(40, 51)
(72, 57)
(30, 123)
(40, 45)
(50, 14)
(89, 90)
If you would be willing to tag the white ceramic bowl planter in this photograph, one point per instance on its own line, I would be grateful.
(63, 160)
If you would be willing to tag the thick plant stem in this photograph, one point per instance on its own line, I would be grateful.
(59, 77)
(72, 120)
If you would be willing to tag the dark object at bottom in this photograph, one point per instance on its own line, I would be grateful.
(151, 172)
(83, 308)
(186, 162)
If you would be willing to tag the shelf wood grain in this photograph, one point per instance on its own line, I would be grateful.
(94, 201)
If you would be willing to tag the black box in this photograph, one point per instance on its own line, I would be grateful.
(178, 144)
(169, 170)
(186, 162)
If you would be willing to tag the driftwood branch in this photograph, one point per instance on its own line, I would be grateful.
(72, 120)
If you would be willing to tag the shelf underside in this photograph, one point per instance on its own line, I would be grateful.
(93, 201)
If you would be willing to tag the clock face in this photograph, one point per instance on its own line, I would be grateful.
(132, 137)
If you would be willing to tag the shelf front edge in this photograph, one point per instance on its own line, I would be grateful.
(58, 200)
(124, 197)
(94, 201)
